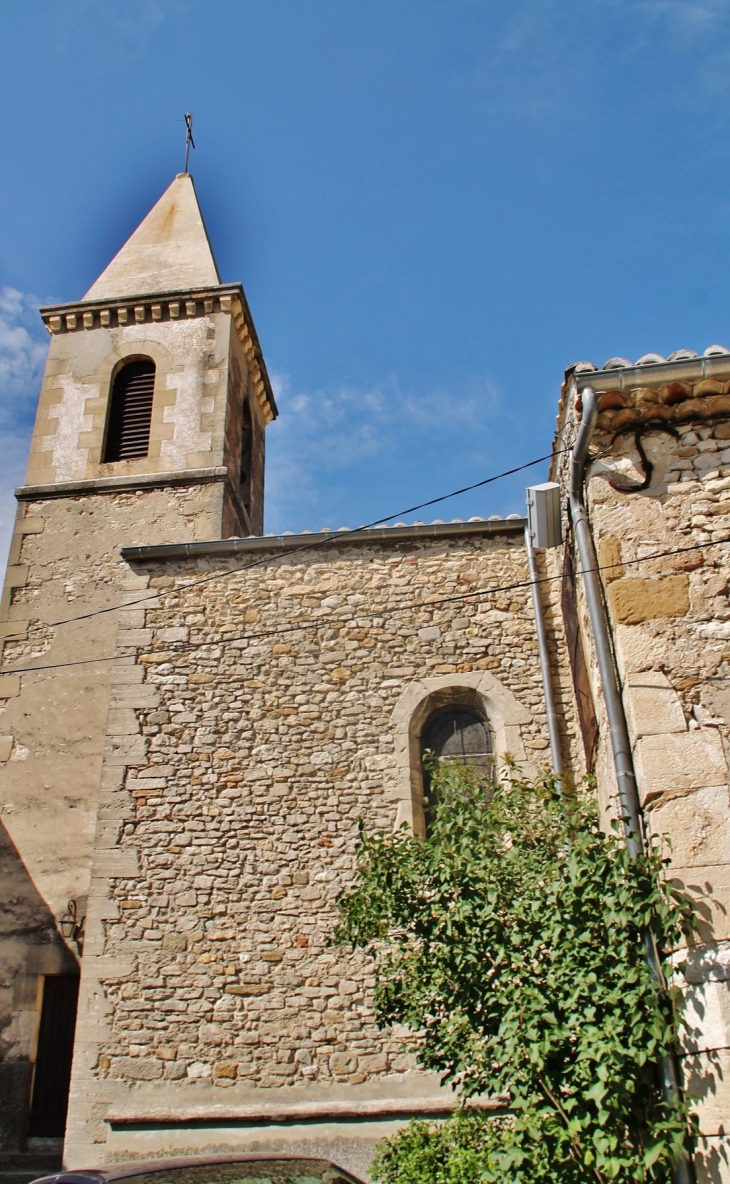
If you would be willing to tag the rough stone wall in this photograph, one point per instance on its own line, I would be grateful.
(255, 720)
(252, 493)
(670, 619)
(54, 720)
(64, 563)
(243, 512)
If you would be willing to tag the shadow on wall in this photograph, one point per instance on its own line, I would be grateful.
(30, 948)
(712, 1161)
(701, 1073)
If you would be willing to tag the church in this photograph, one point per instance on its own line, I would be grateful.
(195, 715)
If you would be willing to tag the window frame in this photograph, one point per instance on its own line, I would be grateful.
(480, 689)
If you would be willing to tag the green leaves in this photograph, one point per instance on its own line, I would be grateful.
(510, 940)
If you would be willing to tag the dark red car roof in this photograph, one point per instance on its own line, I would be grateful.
(138, 1167)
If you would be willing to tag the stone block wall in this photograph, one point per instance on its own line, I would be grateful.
(243, 512)
(255, 717)
(670, 621)
(64, 563)
(64, 582)
(188, 412)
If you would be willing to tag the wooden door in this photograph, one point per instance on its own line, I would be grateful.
(53, 1061)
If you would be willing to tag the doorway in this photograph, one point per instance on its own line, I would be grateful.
(52, 1077)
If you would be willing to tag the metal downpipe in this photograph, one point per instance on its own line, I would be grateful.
(542, 645)
(618, 728)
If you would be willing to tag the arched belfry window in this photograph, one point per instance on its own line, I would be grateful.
(455, 735)
(130, 414)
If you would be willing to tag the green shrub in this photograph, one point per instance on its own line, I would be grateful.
(509, 942)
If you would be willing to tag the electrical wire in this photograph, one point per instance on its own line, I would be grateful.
(334, 537)
(388, 610)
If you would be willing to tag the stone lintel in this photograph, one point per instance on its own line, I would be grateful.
(30, 493)
(331, 539)
(303, 1112)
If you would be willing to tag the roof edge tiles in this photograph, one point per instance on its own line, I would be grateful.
(652, 373)
(226, 548)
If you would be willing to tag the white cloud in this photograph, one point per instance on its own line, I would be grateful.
(523, 72)
(23, 348)
(329, 444)
(23, 344)
(693, 14)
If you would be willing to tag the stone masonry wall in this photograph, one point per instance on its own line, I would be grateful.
(244, 449)
(254, 723)
(670, 619)
(64, 563)
(62, 589)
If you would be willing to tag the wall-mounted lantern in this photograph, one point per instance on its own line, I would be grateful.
(71, 926)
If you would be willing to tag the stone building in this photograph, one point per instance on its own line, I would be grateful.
(196, 715)
(658, 495)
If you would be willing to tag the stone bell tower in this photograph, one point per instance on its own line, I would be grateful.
(150, 429)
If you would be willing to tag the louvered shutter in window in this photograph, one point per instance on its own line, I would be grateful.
(131, 412)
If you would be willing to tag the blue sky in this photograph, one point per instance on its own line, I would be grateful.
(435, 207)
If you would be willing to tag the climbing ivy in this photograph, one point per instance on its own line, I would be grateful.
(509, 943)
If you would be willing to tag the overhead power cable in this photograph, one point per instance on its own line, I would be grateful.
(387, 610)
(336, 537)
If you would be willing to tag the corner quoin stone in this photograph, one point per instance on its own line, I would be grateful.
(634, 601)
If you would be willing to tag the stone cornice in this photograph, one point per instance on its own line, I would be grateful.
(230, 299)
(32, 493)
(331, 540)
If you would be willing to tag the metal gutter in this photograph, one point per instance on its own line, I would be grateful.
(224, 548)
(618, 727)
(542, 646)
(651, 374)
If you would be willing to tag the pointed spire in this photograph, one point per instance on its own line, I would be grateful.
(168, 252)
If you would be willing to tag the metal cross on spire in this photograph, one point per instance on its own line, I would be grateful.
(188, 137)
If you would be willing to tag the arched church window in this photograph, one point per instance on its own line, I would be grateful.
(455, 735)
(130, 413)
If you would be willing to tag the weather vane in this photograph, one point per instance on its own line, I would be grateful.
(188, 137)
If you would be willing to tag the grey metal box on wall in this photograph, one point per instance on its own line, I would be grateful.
(543, 515)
